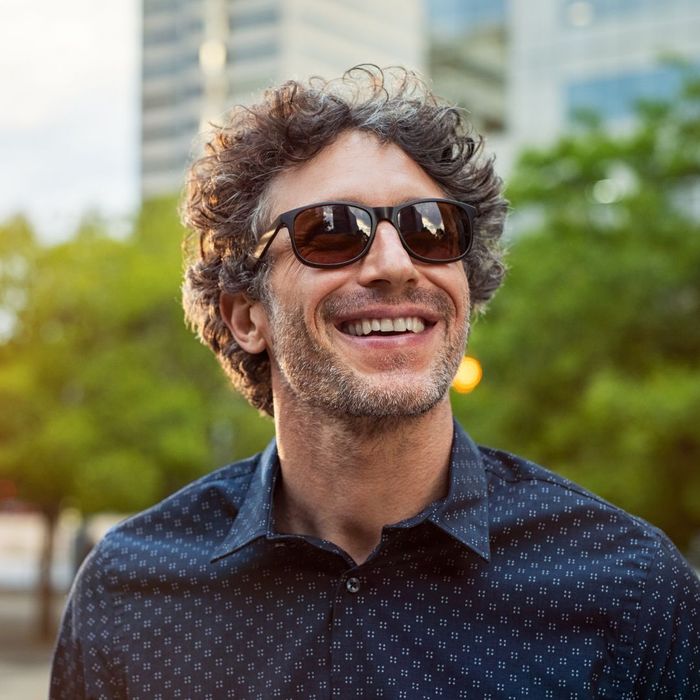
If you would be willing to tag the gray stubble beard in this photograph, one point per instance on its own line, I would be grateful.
(315, 376)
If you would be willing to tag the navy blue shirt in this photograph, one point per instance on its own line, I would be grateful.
(517, 584)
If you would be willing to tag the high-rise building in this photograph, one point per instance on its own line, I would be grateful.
(522, 68)
(525, 69)
(202, 56)
(467, 57)
(600, 56)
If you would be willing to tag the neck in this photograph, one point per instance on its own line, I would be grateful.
(344, 478)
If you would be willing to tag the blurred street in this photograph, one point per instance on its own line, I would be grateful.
(24, 662)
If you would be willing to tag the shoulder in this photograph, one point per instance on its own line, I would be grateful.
(532, 508)
(576, 544)
(184, 527)
(514, 481)
(217, 494)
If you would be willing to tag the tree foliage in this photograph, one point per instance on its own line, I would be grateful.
(106, 400)
(591, 351)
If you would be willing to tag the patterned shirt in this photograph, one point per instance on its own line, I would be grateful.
(517, 584)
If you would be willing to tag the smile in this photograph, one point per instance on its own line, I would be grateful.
(380, 326)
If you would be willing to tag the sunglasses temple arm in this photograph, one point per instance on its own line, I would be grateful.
(264, 242)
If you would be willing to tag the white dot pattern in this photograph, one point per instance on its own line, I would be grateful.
(517, 584)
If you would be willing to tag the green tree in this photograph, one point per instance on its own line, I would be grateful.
(591, 351)
(107, 402)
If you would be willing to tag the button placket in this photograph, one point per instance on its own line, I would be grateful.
(347, 636)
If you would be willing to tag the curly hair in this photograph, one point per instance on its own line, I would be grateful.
(225, 203)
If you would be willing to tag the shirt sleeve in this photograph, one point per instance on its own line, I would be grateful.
(668, 632)
(86, 662)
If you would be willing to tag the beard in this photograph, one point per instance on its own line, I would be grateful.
(320, 378)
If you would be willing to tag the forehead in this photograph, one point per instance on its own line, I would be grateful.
(355, 167)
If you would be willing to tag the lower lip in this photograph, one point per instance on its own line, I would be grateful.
(403, 340)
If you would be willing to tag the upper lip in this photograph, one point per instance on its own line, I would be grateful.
(370, 312)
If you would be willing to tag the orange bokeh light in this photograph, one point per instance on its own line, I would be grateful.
(468, 375)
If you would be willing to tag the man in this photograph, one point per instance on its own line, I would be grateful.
(346, 231)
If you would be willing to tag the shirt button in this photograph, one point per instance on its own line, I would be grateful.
(353, 585)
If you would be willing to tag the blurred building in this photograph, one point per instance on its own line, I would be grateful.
(468, 57)
(526, 70)
(202, 56)
(523, 69)
(598, 56)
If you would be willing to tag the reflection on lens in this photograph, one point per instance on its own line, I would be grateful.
(331, 234)
(434, 230)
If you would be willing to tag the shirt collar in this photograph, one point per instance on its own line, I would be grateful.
(462, 514)
(253, 518)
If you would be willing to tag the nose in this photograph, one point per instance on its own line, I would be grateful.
(387, 263)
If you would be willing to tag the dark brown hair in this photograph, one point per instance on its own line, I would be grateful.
(225, 201)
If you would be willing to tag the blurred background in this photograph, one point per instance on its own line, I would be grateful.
(586, 362)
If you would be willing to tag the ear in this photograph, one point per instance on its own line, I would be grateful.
(246, 319)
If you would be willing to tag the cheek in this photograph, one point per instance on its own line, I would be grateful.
(453, 281)
(463, 286)
(466, 298)
(300, 290)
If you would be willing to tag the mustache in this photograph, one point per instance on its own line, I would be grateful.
(435, 300)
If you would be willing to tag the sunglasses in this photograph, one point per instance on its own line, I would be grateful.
(333, 234)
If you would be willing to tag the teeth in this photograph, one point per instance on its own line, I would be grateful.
(366, 326)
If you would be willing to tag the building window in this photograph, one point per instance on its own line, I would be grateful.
(249, 52)
(264, 15)
(583, 13)
(170, 130)
(615, 97)
(467, 57)
(177, 64)
(453, 17)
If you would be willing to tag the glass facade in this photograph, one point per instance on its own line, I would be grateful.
(170, 130)
(467, 57)
(453, 17)
(256, 16)
(590, 12)
(253, 52)
(614, 97)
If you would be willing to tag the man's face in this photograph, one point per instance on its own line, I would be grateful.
(316, 320)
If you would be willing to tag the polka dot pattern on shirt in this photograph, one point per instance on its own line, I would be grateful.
(517, 584)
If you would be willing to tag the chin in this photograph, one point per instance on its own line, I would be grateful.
(367, 398)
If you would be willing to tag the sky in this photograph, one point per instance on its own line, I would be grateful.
(70, 111)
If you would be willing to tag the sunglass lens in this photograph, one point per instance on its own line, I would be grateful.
(331, 234)
(436, 231)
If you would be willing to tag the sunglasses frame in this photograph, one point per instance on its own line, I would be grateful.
(376, 214)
